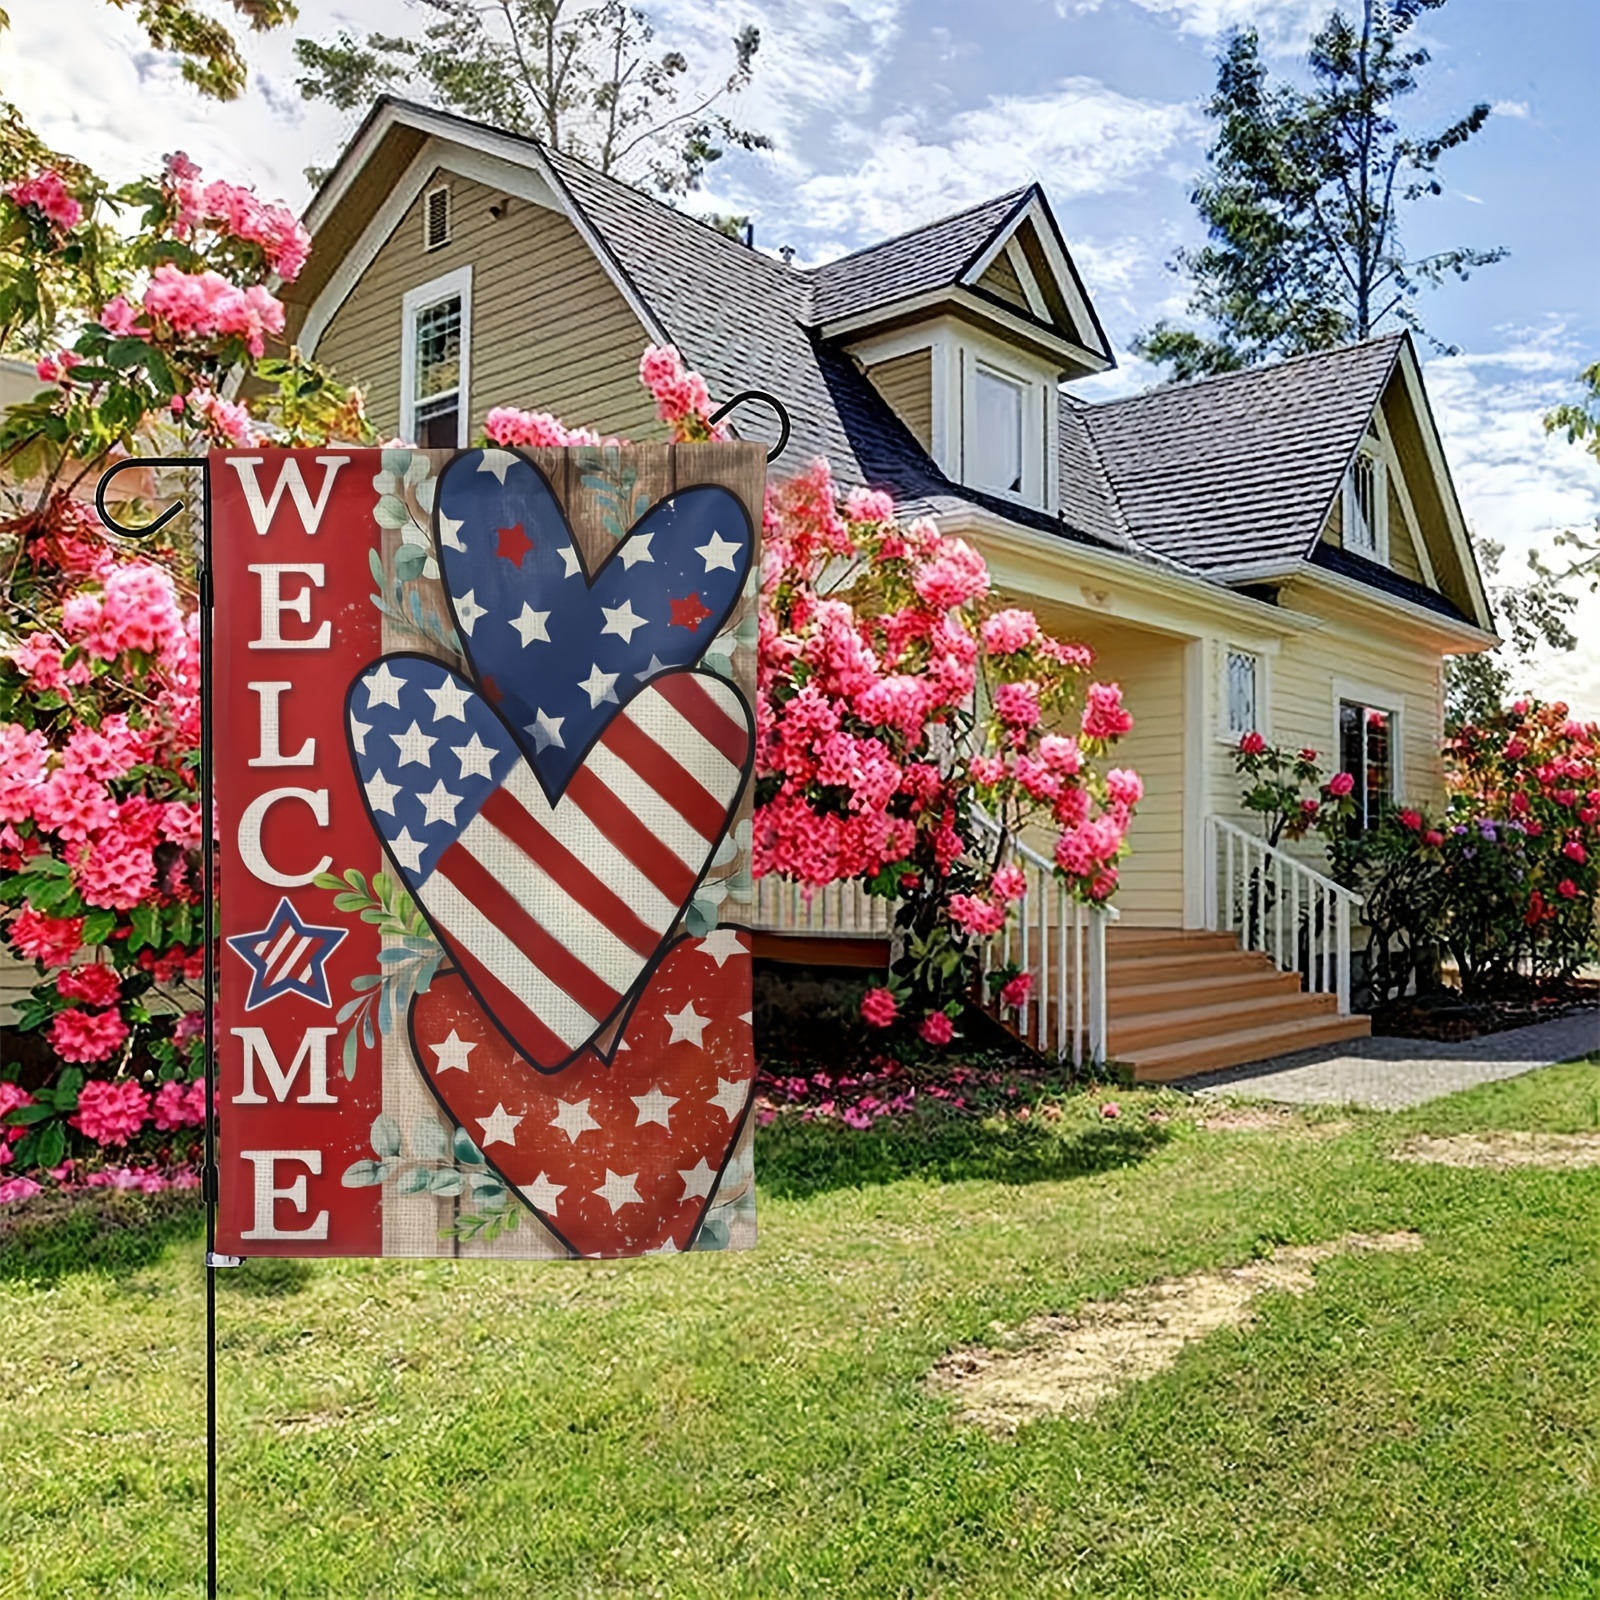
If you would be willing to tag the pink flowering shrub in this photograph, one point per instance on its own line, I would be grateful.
(99, 658)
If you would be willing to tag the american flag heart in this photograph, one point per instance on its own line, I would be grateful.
(620, 1159)
(562, 651)
(551, 910)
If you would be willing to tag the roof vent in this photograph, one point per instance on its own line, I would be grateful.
(436, 219)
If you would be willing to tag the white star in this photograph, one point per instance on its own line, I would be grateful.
(499, 1127)
(599, 686)
(413, 746)
(618, 1192)
(665, 1248)
(622, 620)
(440, 804)
(721, 943)
(546, 730)
(698, 1181)
(718, 552)
(573, 1118)
(499, 462)
(380, 792)
(687, 1024)
(407, 851)
(530, 625)
(654, 1107)
(358, 735)
(468, 611)
(571, 562)
(730, 1097)
(542, 1192)
(637, 549)
(383, 687)
(747, 1018)
(655, 666)
(449, 699)
(452, 1053)
(448, 528)
(475, 758)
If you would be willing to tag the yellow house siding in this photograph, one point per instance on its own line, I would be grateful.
(550, 331)
(906, 382)
(1000, 278)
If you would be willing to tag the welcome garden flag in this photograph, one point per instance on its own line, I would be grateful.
(483, 750)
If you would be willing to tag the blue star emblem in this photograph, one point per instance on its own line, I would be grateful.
(287, 957)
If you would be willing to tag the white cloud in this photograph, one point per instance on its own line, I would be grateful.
(1511, 108)
(1284, 25)
(1081, 139)
(1519, 485)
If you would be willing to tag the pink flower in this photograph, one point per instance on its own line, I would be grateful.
(956, 576)
(51, 940)
(119, 318)
(87, 1035)
(18, 1189)
(94, 985)
(1009, 883)
(205, 305)
(178, 1106)
(937, 1029)
(1308, 754)
(1014, 994)
(1111, 1111)
(1104, 716)
(976, 917)
(879, 1007)
(228, 422)
(47, 193)
(536, 430)
(1340, 785)
(1574, 851)
(1252, 744)
(869, 505)
(1007, 632)
(1061, 754)
(1126, 788)
(1309, 808)
(1409, 819)
(1433, 838)
(1017, 704)
(110, 1113)
(56, 368)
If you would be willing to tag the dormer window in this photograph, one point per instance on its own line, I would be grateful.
(1365, 515)
(997, 432)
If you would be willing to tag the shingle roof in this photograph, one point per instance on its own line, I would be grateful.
(1239, 469)
(933, 256)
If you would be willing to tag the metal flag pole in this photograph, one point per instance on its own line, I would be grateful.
(208, 1179)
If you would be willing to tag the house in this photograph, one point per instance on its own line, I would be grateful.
(1277, 550)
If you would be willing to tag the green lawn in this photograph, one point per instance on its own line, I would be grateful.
(758, 1425)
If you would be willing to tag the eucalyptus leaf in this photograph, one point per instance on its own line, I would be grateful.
(385, 1135)
(414, 1181)
(465, 1149)
(375, 565)
(447, 1183)
(390, 512)
(399, 462)
(350, 1047)
(361, 1175)
(697, 920)
(429, 1141)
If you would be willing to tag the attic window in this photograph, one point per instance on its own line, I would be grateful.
(436, 219)
(997, 433)
(1366, 507)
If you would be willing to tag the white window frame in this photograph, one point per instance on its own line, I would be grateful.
(1375, 698)
(974, 358)
(419, 299)
(1016, 387)
(1350, 515)
(1227, 732)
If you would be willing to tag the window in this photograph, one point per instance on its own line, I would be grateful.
(1242, 705)
(435, 361)
(1366, 752)
(1366, 506)
(997, 433)
(436, 219)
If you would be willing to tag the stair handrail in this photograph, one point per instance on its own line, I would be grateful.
(1269, 879)
(1079, 964)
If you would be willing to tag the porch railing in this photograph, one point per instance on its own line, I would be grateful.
(1281, 907)
(844, 910)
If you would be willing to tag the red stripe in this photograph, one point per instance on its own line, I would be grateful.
(685, 692)
(566, 870)
(529, 1033)
(543, 949)
(675, 784)
(630, 835)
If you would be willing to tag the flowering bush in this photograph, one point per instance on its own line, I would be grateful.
(1286, 789)
(99, 667)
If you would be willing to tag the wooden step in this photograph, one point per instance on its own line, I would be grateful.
(1183, 1058)
(1141, 999)
(1138, 941)
(1133, 1033)
(1124, 972)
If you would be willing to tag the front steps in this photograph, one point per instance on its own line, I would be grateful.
(1180, 1003)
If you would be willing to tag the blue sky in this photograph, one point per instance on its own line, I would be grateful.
(889, 112)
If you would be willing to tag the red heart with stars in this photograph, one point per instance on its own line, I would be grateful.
(618, 1159)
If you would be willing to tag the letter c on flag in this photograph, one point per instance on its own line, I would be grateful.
(250, 835)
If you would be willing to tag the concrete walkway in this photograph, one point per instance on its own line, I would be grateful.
(1391, 1074)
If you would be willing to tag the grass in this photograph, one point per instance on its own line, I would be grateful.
(1420, 1425)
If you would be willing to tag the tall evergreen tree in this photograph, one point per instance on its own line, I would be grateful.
(1305, 197)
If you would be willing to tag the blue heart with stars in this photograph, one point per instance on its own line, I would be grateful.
(557, 650)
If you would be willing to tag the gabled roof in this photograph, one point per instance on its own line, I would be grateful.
(1239, 469)
(934, 256)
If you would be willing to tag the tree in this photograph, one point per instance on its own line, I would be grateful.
(1304, 201)
(583, 78)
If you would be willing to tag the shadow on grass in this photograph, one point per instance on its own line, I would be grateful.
(105, 1230)
(267, 1278)
(795, 1159)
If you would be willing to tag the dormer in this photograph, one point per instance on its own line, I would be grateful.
(967, 328)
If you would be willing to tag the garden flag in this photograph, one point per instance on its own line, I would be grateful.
(483, 745)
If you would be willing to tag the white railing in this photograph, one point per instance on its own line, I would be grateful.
(844, 910)
(1062, 942)
(1280, 907)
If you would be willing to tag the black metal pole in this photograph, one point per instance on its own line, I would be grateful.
(208, 933)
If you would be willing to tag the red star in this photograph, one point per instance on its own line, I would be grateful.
(688, 612)
(514, 544)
